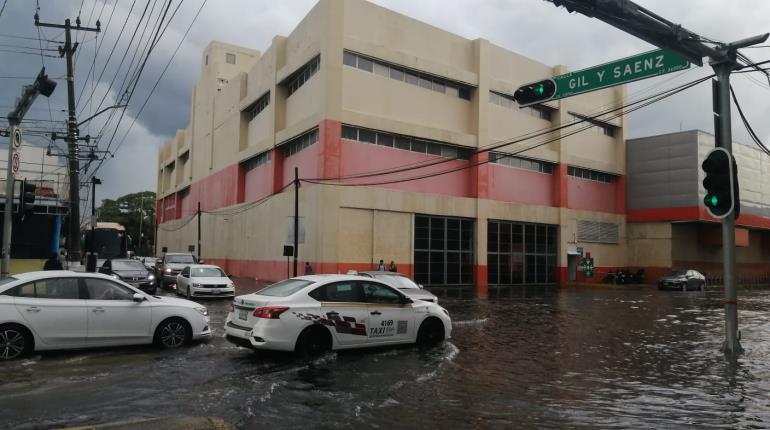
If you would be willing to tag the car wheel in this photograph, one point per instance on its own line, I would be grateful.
(431, 332)
(313, 341)
(173, 333)
(15, 342)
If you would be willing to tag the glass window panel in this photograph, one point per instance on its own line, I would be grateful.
(402, 143)
(367, 136)
(540, 239)
(419, 146)
(493, 272)
(434, 148)
(465, 93)
(505, 237)
(437, 233)
(349, 132)
(57, 288)
(505, 269)
(551, 241)
(411, 78)
(381, 69)
(453, 268)
(439, 86)
(365, 64)
(385, 139)
(466, 235)
(230, 58)
(421, 267)
(466, 274)
(529, 237)
(422, 221)
(349, 59)
(517, 239)
(452, 91)
(448, 151)
(540, 273)
(437, 268)
(517, 268)
(425, 82)
(550, 269)
(453, 234)
(529, 270)
(526, 164)
(396, 74)
(492, 236)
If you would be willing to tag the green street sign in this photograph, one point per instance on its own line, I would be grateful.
(642, 66)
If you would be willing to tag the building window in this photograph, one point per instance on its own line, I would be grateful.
(405, 143)
(521, 253)
(230, 58)
(593, 175)
(443, 250)
(256, 161)
(207, 60)
(595, 231)
(299, 143)
(596, 126)
(507, 101)
(298, 78)
(258, 106)
(394, 71)
(521, 163)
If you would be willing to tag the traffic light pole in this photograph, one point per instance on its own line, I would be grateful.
(724, 140)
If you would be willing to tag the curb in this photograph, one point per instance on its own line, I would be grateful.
(163, 423)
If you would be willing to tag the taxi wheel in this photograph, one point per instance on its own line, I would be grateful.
(431, 332)
(313, 341)
(15, 342)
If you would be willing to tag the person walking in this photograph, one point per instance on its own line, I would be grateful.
(381, 266)
(308, 268)
(53, 263)
(392, 267)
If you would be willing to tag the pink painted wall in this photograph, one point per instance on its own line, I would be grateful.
(589, 195)
(361, 157)
(258, 182)
(509, 184)
(306, 160)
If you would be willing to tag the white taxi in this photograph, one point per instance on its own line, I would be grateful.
(316, 313)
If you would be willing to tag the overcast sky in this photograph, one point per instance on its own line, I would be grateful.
(533, 28)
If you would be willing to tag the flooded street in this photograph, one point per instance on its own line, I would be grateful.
(579, 358)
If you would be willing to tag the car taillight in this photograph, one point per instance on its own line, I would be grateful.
(272, 312)
(231, 308)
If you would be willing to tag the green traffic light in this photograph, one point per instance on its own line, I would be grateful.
(712, 201)
(539, 89)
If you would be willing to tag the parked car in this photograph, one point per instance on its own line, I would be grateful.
(131, 272)
(204, 280)
(682, 280)
(316, 313)
(168, 266)
(403, 283)
(149, 262)
(68, 310)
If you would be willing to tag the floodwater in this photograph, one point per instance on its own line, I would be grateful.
(572, 358)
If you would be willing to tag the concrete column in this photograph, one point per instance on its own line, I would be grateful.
(480, 178)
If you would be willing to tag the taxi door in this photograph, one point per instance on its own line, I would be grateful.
(390, 319)
(343, 311)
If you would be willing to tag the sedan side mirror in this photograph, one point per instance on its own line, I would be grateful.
(201, 261)
(139, 298)
(406, 300)
(420, 285)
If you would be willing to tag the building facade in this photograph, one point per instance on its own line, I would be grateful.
(668, 224)
(408, 148)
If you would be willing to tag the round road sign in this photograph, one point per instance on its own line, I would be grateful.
(17, 137)
(16, 161)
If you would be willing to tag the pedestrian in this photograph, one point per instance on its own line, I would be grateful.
(53, 262)
(381, 266)
(392, 267)
(63, 258)
(308, 268)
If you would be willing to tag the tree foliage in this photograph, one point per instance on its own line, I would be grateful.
(128, 210)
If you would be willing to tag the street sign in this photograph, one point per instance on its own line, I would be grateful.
(16, 161)
(642, 66)
(587, 267)
(17, 137)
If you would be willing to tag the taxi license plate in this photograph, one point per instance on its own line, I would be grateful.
(243, 314)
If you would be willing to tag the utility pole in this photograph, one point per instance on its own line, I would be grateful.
(73, 233)
(296, 218)
(199, 232)
(92, 257)
(44, 86)
(646, 25)
(141, 215)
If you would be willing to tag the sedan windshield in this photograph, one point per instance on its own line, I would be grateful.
(207, 272)
(180, 259)
(676, 274)
(128, 265)
(284, 288)
(400, 282)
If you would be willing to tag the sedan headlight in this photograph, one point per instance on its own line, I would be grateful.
(114, 276)
(230, 285)
(168, 270)
(202, 310)
(196, 285)
(150, 277)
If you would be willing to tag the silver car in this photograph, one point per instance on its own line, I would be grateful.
(682, 280)
(403, 283)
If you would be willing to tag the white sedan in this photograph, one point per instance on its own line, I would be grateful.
(204, 280)
(67, 310)
(316, 313)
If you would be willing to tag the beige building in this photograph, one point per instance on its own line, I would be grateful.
(408, 146)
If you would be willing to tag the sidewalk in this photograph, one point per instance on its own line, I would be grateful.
(163, 423)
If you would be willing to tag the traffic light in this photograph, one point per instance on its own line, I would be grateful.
(27, 196)
(536, 92)
(721, 184)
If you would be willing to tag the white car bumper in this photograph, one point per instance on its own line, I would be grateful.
(212, 292)
(265, 335)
